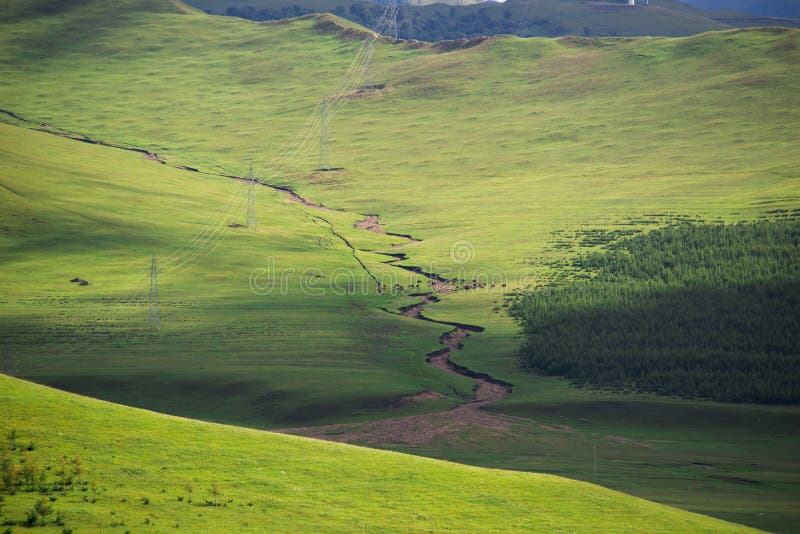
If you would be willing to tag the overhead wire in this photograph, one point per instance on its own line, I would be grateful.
(214, 231)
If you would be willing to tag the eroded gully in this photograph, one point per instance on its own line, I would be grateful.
(411, 430)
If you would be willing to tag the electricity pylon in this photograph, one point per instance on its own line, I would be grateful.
(368, 83)
(394, 19)
(324, 144)
(153, 315)
(391, 22)
(252, 221)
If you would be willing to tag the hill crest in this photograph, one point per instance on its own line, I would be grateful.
(163, 466)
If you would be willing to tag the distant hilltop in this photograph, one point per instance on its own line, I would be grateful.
(424, 20)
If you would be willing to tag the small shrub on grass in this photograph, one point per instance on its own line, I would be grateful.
(63, 471)
(77, 466)
(11, 475)
(9, 472)
(216, 493)
(30, 469)
(37, 516)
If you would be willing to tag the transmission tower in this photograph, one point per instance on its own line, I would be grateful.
(393, 27)
(324, 144)
(252, 221)
(153, 315)
(368, 82)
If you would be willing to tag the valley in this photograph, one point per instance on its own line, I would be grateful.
(371, 303)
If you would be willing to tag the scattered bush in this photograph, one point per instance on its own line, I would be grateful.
(37, 516)
(216, 494)
(30, 469)
(77, 466)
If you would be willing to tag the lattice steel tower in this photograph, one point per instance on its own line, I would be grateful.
(252, 220)
(368, 82)
(153, 314)
(324, 144)
(394, 19)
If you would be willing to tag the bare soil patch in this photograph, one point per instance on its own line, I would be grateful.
(371, 223)
(422, 396)
(411, 431)
(154, 157)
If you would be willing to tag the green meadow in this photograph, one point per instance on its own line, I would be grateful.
(224, 352)
(500, 144)
(146, 472)
(498, 157)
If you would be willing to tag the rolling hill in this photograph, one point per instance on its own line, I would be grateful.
(142, 471)
(225, 351)
(525, 18)
(497, 156)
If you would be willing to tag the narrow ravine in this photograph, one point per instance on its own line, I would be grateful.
(420, 429)
(417, 429)
(353, 250)
(486, 389)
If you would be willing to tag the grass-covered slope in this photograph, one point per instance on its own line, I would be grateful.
(142, 471)
(508, 145)
(513, 137)
(224, 352)
(526, 18)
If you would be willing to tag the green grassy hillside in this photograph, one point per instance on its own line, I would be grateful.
(527, 18)
(142, 471)
(501, 154)
(570, 130)
(224, 353)
(75, 209)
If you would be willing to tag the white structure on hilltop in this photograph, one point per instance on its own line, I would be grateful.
(631, 2)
